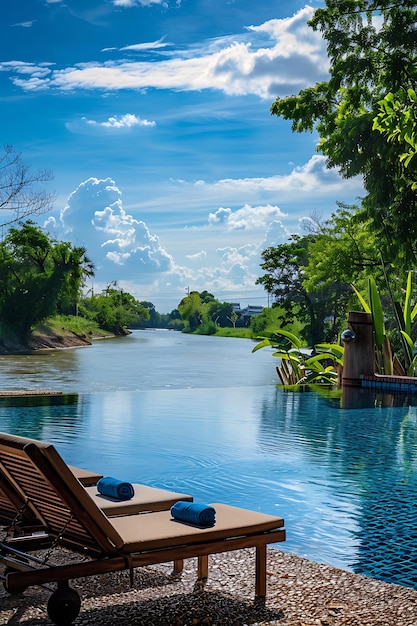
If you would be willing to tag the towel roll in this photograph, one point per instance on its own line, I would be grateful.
(194, 513)
(114, 488)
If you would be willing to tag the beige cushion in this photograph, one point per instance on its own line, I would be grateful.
(159, 530)
(145, 499)
(85, 477)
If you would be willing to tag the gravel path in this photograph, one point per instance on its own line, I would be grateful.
(300, 593)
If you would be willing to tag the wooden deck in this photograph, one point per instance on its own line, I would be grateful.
(35, 397)
(29, 392)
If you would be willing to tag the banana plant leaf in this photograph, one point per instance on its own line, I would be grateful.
(407, 306)
(317, 359)
(331, 348)
(362, 300)
(377, 314)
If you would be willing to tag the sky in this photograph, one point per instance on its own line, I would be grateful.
(154, 119)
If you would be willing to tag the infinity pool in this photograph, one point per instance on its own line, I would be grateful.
(344, 480)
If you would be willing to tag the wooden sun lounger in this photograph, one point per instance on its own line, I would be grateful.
(13, 509)
(121, 543)
(19, 514)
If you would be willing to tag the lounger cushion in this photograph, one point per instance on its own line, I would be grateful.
(145, 499)
(159, 530)
(85, 477)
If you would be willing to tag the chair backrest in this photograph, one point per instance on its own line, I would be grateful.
(14, 510)
(62, 503)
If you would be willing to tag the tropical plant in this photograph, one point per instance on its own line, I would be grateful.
(301, 366)
(39, 277)
(385, 361)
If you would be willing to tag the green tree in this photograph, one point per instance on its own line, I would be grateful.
(319, 307)
(372, 51)
(343, 250)
(284, 266)
(37, 273)
(192, 310)
(221, 313)
(397, 121)
(114, 310)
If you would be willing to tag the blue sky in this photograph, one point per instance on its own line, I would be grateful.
(154, 118)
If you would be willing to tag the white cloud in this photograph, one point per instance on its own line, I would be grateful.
(150, 45)
(26, 24)
(198, 256)
(127, 4)
(275, 58)
(221, 216)
(95, 212)
(115, 123)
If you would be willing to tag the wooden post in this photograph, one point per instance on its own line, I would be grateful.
(359, 357)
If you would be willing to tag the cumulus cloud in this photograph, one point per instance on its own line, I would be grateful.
(275, 58)
(246, 218)
(276, 233)
(124, 248)
(95, 210)
(220, 216)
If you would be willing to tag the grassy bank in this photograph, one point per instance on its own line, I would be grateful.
(62, 324)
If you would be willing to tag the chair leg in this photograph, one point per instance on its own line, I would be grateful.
(260, 572)
(202, 569)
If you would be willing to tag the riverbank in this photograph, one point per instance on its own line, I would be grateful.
(51, 336)
(300, 593)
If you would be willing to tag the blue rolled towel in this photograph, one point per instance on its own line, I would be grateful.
(114, 488)
(194, 513)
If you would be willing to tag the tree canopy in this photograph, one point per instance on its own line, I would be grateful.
(39, 277)
(372, 51)
(114, 310)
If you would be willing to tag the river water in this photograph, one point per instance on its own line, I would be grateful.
(203, 415)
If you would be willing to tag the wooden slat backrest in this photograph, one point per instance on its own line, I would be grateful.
(14, 510)
(8, 511)
(84, 529)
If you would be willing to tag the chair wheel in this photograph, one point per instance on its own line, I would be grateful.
(64, 606)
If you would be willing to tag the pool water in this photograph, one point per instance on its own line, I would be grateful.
(345, 480)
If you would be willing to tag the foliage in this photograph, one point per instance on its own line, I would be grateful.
(113, 310)
(343, 249)
(270, 319)
(192, 310)
(21, 191)
(397, 120)
(372, 51)
(202, 313)
(318, 308)
(38, 276)
(159, 320)
(405, 316)
(300, 366)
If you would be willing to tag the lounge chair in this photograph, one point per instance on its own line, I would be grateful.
(12, 506)
(17, 512)
(121, 543)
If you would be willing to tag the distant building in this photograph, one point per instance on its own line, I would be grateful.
(245, 314)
